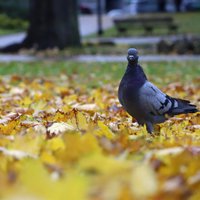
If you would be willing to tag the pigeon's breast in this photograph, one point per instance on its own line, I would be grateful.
(129, 88)
(129, 97)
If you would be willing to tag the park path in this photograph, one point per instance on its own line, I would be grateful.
(102, 58)
(122, 58)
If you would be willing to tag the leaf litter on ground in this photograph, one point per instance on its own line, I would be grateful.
(59, 140)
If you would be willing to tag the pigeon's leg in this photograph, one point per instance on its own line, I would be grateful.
(149, 127)
(159, 119)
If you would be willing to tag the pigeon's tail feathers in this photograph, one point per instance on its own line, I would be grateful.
(187, 106)
(183, 107)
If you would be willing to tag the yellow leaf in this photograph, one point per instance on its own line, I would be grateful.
(104, 164)
(9, 128)
(35, 178)
(37, 181)
(143, 181)
(26, 102)
(104, 131)
(16, 153)
(29, 143)
(47, 157)
(38, 106)
(55, 143)
(3, 164)
(195, 196)
(79, 120)
(59, 117)
(74, 187)
(77, 146)
(82, 121)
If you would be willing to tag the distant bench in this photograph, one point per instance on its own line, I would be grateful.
(147, 22)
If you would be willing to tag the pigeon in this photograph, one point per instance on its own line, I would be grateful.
(143, 100)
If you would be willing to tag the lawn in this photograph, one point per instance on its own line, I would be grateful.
(188, 23)
(64, 135)
(161, 72)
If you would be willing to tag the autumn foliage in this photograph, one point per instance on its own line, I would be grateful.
(61, 140)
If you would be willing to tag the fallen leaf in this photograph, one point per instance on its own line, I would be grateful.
(61, 127)
(16, 153)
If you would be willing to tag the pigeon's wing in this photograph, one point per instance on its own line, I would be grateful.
(154, 101)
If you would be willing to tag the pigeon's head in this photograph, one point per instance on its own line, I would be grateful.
(132, 56)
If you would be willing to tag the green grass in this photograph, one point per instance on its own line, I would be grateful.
(7, 31)
(11, 25)
(94, 74)
(188, 23)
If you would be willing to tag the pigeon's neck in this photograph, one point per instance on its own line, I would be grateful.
(132, 64)
(136, 73)
(134, 68)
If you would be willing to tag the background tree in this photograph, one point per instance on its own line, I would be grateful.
(178, 5)
(53, 23)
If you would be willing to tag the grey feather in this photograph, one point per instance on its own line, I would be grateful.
(154, 100)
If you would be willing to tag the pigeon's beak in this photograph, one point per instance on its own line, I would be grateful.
(132, 57)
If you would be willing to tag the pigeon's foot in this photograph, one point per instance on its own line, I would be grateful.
(149, 127)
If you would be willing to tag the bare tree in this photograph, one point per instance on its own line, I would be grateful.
(53, 23)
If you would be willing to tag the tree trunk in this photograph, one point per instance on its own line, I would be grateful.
(53, 23)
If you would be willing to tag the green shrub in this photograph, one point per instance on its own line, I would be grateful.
(10, 23)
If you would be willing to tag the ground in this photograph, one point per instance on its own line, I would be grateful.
(65, 136)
